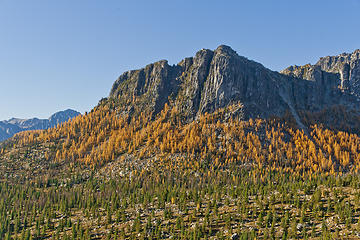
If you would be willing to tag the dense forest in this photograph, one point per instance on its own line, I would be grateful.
(106, 175)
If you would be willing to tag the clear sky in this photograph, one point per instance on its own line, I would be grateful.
(64, 54)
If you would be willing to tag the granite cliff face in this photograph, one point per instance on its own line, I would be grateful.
(348, 68)
(342, 71)
(216, 79)
(8, 128)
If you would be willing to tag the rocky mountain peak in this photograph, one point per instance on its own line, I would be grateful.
(219, 78)
(342, 71)
(335, 63)
(224, 49)
(62, 116)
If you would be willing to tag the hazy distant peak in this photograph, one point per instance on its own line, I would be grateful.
(14, 125)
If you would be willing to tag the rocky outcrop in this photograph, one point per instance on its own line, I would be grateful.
(216, 79)
(148, 88)
(348, 68)
(8, 128)
(342, 71)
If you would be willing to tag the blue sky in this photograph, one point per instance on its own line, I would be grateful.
(64, 54)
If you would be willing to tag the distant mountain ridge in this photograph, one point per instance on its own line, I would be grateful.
(9, 128)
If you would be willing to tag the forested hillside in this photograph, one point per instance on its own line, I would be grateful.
(132, 169)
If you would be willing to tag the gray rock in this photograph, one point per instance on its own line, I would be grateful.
(219, 78)
(235, 236)
(347, 66)
(341, 71)
(299, 226)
